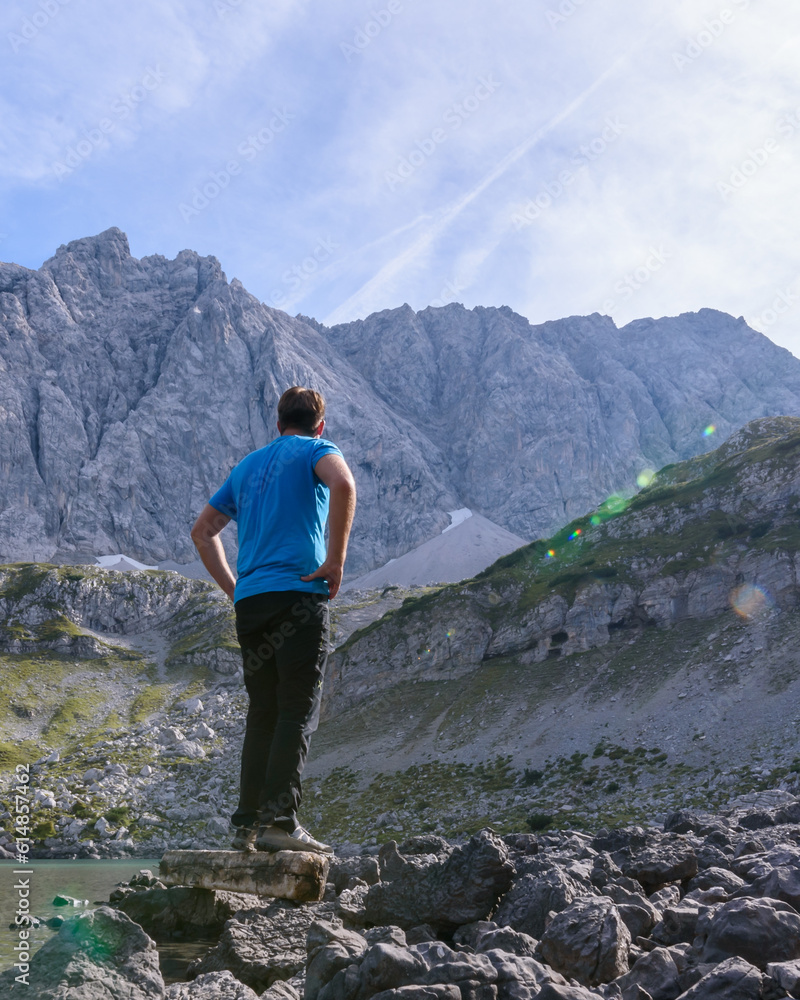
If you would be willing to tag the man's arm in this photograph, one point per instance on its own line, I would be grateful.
(205, 535)
(333, 471)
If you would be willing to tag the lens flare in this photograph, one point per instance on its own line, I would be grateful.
(645, 477)
(550, 554)
(596, 519)
(574, 534)
(750, 600)
(709, 430)
(615, 504)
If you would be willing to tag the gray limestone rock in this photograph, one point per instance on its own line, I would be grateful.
(449, 893)
(329, 948)
(531, 898)
(713, 877)
(587, 941)
(781, 883)
(99, 955)
(444, 991)
(669, 861)
(787, 975)
(485, 935)
(362, 866)
(757, 930)
(552, 991)
(217, 986)
(655, 972)
(190, 911)
(731, 979)
(262, 945)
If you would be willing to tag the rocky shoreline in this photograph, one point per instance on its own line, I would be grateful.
(707, 905)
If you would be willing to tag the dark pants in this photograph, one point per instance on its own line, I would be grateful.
(284, 637)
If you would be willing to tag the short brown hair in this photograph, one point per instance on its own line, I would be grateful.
(301, 408)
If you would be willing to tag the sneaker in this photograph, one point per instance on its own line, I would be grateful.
(244, 839)
(275, 838)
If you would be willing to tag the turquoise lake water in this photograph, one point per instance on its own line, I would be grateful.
(89, 880)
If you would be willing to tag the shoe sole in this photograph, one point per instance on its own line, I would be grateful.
(290, 844)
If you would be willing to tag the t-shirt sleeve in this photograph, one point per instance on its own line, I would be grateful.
(322, 448)
(224, 501)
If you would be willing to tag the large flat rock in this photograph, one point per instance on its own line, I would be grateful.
(296, 875)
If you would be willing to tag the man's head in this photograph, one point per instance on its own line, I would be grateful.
(301, 411)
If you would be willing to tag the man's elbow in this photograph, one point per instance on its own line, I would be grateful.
(345, 488)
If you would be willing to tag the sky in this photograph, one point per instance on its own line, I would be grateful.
(561, 157)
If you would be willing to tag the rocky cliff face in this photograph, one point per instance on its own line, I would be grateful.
(708, 534)
(131, 387)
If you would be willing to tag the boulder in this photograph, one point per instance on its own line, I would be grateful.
(786, 975)
(656, 972)
(100, 950)
(437, 992)
(670, 895)
(484, 935)
(448, 966)
(386, 967)
(262, 945)
(351, 905)
(669, 861)
(183, 909)
(212, 986)
(757, 930)
(781, 883)
(688, 821)
(445, 894)
(587, 941)
(531, 898)
(362, 866)
(329, 948)
(679, 923)
(297, 875)
(639, 914)
(552, 991)
(711, 878)
(732, 979)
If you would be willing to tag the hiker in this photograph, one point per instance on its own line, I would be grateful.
(279, 496)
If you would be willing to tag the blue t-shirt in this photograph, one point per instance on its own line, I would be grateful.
(281, 507)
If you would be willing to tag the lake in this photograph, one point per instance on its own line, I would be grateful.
(89, 880)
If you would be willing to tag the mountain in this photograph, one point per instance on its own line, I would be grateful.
(649, 664)
(131, 387)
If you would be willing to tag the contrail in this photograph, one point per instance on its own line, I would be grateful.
(389, 270)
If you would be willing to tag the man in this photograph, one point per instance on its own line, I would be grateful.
(280, 496)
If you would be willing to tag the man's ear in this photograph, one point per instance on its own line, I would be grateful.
(320, 429)
(280, 429)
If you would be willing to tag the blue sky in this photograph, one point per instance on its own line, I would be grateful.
(559, 157)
